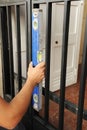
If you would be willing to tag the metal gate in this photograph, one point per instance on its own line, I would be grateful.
(32, 120)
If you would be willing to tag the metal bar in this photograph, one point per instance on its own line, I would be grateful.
(41, 124)
(17, 10)
(82, 83)
(29, 31)
(64, 62)
(11, 3)
(5, 53)
(67, 104)
(26, 34)
(28, 16)
(50, 1)
(48, 46)
(9, 22)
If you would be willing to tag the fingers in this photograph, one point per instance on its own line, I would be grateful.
(42, 64)
(30, 65)
(37, 73)
(39, 66)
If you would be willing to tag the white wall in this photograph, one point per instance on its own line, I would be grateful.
(83, 31)
(23, 40)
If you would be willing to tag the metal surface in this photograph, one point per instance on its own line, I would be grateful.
(40, 124)
(50, 1)
(67, 104)
(17, 10)
(29, 30)
(82, 83)
(27, 45)
(10, 44)
(5, 52)
(4, 3)
(29, 48)
(64, 62)
(47, 75)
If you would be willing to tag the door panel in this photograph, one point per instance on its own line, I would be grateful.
(74, 43)
(56, 42)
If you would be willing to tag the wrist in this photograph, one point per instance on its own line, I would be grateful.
(30, 83)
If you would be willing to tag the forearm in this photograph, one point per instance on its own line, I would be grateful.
(11, 113)
(23, 98)
(15, 110)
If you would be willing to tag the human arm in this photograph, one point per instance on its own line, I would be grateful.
(11, 113)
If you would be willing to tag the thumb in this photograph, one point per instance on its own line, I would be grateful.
(30, 65)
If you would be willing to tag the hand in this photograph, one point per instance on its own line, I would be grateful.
(36, 74)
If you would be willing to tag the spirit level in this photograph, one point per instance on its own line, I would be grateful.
(37, 54)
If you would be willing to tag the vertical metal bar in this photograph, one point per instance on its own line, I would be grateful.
(5, 53)
(28, 17)
(82, 83)
(29, 31)
(17, 10)
(27, 43)
(9, 23)
(48, 46)
(64, 62)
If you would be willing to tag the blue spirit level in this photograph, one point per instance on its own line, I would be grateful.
(37, 54)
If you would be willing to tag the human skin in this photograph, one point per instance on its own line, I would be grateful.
(11, 113)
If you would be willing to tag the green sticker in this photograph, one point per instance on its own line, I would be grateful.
(35, 24)
(39, 56)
